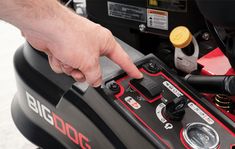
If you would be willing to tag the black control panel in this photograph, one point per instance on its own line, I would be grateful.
(159, 111)
(166, 111)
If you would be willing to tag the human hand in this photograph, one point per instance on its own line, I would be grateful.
(74, 48)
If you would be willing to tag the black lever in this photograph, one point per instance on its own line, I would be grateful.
(212, 84)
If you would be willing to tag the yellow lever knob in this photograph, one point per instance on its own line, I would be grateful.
(181, 37)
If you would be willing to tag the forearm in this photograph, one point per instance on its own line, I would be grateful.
(43, 16)
(73, 43)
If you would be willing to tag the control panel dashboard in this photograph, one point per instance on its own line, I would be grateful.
(166, 111)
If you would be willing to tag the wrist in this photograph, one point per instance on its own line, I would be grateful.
(50, 25)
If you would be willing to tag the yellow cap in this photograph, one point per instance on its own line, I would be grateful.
(153, 2)
(180, 37)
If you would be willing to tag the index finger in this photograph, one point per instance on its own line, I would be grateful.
(120, 57)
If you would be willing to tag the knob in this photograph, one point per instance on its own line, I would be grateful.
(175, 109)
(181, 37)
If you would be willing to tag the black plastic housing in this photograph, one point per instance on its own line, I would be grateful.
(87, 112)
(91, 118)
(123, 28)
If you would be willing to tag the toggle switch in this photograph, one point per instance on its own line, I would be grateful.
(148, 87)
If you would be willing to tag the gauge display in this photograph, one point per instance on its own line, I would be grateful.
(200, 135)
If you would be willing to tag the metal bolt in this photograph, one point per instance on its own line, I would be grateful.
(164, 100)
(142, 27)
(206, 36)
(114, 86)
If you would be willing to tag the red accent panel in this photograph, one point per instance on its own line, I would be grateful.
(232, 146)
(215, 63)
(57, 119)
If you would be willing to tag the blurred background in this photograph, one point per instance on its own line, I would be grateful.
(10, 40)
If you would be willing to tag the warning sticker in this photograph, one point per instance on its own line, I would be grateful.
(128, 12)
(157, 19)
(132, 102)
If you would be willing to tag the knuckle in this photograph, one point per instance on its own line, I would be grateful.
(103, 31)
(97, 82)
(108, 32)
(56, 69)
(94, 77)
(91, 65)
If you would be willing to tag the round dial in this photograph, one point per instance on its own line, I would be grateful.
(200, 135)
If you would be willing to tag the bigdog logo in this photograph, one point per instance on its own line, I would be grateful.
(56, 121)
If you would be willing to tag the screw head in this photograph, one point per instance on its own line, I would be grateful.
(142, 27)
(206, 36)
(114, 87)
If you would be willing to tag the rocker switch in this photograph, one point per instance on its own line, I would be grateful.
(147, 87)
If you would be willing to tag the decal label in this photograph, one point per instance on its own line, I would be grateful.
(57, 122)
(202, 114)
(158, 111)
(133, 103)
(172, 88)
(157, 19)
(127, 12)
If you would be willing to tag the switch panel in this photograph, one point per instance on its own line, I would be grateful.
(162, 108)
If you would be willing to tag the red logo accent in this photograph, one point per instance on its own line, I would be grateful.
(68, 130)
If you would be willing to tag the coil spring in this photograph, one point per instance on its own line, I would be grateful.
(224, 102)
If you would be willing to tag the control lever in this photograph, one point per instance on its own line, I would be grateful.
(212, 84)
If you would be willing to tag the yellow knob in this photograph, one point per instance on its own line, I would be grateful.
(153, 2)
(180, 37)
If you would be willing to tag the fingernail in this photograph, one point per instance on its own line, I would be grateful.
(141, 75)
(96, 85)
